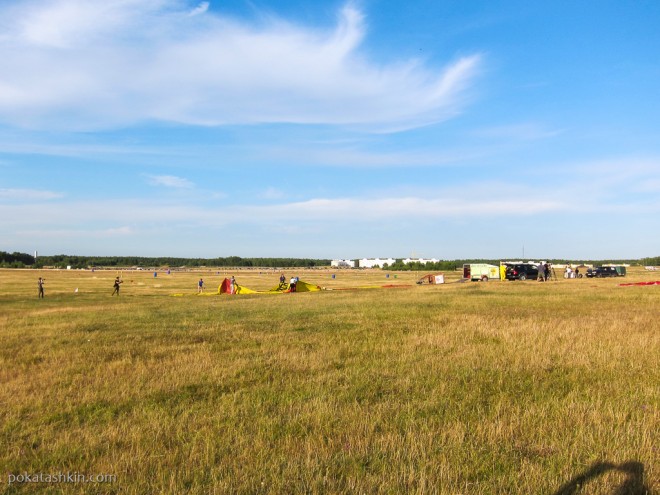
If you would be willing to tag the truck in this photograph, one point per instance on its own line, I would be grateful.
(480, 272)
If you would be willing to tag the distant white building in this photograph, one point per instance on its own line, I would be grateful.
(419, 260)
(373, 262)
(343, 263)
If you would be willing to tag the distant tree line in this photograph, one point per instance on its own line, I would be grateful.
(20, 260)
(15, 260)
(650, 261)
(23, 260)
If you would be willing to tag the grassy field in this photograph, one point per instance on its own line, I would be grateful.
(465, 388)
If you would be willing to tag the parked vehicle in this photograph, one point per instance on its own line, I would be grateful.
(604, 271)
(481, 272)
(621, 270)
(522, 271)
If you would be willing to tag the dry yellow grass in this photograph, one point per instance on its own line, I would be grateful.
(498, 387)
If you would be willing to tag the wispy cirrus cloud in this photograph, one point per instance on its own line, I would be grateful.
(77, 224)
(76, 233)
(649, 186)
(272, 193)
(28, 194)
(527, 131)
(345, 209)
(340, 209)
(200, 9)
(170, 181)
(120, 62)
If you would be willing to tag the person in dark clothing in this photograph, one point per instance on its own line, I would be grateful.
(118, 281)
(40, 283)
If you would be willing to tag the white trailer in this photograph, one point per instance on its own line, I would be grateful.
(481, 272)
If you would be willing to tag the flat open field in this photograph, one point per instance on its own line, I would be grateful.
(465, 388)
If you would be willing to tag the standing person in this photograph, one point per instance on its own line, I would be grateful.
(232, 285)
(541, 270)
(200, 286)
(41, 283)
(546, 271)
(292, 284)
(116, 286)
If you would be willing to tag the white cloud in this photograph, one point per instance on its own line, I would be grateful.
(117, 231)
(650, 186)
(528, 131)
(120, 62)
(272, 193)
(617, 181)
(166, 224)
(143, 212)
(200, 9)
(356, 210)
(28, 195)
(170, 181)
(103, 214)
(65, 233)
(337, 155)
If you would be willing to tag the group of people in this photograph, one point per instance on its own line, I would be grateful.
(544, 272)
(200, 285)
(293, 283)
(232, 285)
(42, 281)
(119, 281)
(570, 273)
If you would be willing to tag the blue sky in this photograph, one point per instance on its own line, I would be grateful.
(445, 129)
